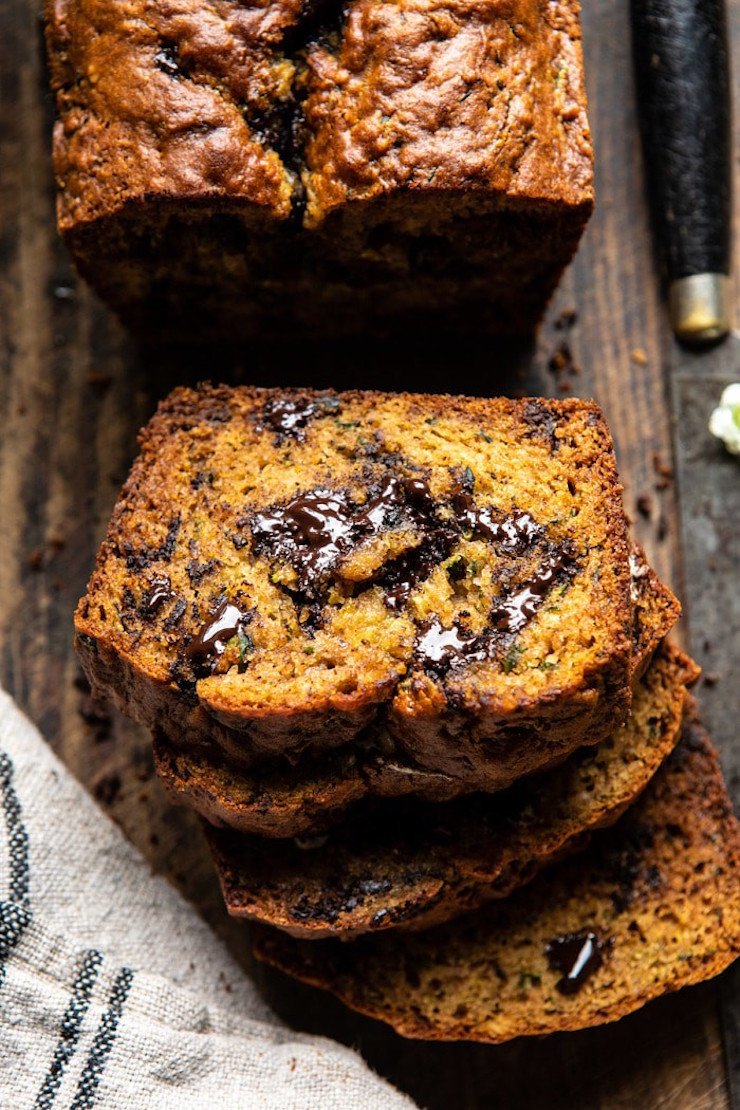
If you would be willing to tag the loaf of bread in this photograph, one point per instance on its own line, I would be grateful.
(285, 569)
(306, 795)
(227, 168)
(653, 905)
(409, 866)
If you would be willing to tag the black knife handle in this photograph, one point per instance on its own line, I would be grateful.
(682, 72)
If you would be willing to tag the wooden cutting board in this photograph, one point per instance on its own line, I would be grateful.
(73, 393)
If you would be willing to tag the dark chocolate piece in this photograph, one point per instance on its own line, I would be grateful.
(515, 611)
(288, 416)
(159, 592)
(513, 532)
(576, 956)
(311, 532)
(439, 649)
(316, 529)
(227, 621)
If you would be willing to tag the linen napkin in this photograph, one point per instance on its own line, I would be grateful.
(113, 992)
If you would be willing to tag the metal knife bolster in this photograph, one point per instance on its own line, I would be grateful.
(682, 72)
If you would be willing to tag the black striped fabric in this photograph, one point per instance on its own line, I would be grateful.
(15, 917)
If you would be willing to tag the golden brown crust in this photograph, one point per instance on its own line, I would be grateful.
(152, 99)
(449, 97)
(188, 132)
(309, 664)
(657, 897)
(411, 866)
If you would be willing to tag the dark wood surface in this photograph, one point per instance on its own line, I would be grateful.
(73, 392)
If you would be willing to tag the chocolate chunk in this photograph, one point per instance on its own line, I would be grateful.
(576, 956)
(176, 614)
(159, 592)
(513, 532)
(288, 416)
(542, 421)
(197, 570)
(515, 611)
(438, 649)
(226, 622)
(311, 532)
(316, 529)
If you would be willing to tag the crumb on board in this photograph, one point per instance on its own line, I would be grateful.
(108, 788)
(565, 320)
(644, 505)
(563, 366)
(36, 559)
(663, 472)
(99, 379)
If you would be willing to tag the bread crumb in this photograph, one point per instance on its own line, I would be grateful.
(565, 319)
(663, 472)
(107, 789)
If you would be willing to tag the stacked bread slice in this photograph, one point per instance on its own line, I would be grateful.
(399, 653)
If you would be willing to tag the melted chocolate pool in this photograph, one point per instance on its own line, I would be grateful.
(314, 530)
(311, 532)
(513, 532)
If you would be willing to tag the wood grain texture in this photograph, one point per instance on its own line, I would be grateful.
(73, 393)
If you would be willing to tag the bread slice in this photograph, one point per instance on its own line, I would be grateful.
(305, 796)
(407, 866)
(284, 568)
(653, 905)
